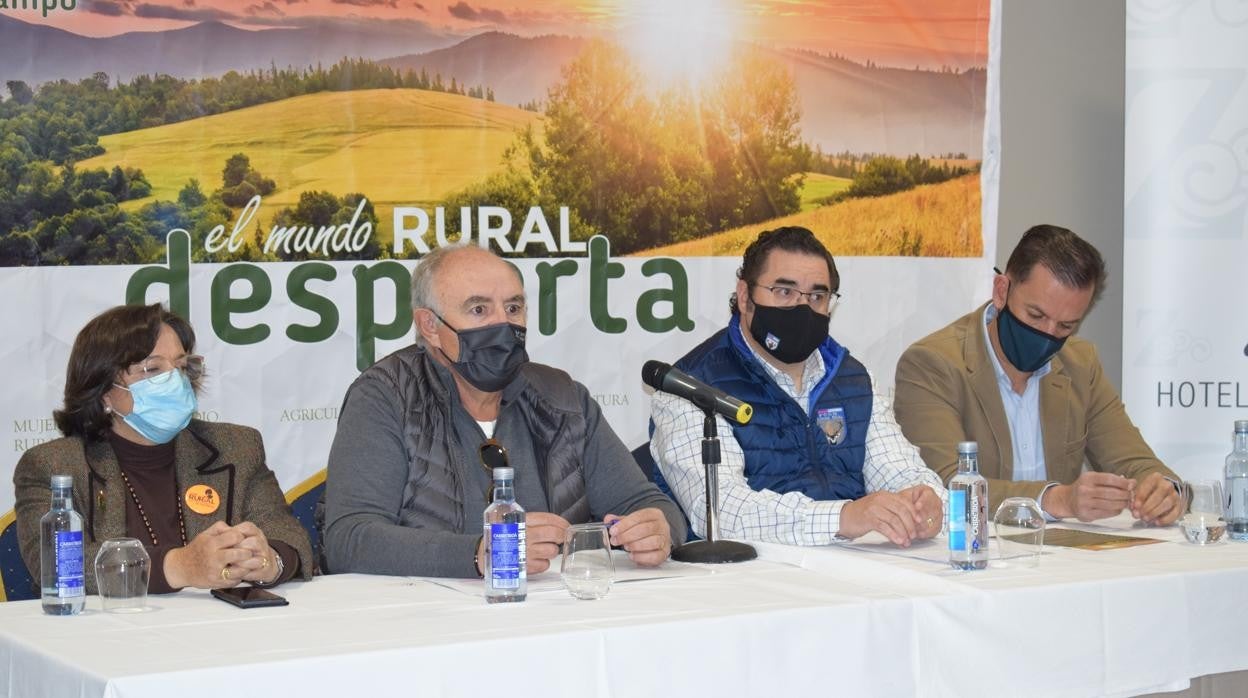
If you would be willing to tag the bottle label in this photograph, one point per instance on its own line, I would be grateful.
(506, 555)
(977, 508)
(69, 582)
(1239, 498)
(957, 520)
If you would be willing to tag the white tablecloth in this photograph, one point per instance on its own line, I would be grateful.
(824, 621)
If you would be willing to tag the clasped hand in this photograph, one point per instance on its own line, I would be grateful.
(914, 513)
(644, 534)
(1094, 495)
(222, 556)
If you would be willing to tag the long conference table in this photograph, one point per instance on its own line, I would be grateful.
(837, 621)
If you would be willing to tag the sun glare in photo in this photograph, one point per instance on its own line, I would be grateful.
(679, 41)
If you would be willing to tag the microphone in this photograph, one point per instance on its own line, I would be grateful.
(665, 378)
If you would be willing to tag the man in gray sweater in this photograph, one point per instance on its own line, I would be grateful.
(408, 472)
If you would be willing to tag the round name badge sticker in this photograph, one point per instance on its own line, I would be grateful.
(202, 499)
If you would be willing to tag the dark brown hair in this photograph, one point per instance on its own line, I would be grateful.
(790, 239)
(1070, 258)
(110, 343)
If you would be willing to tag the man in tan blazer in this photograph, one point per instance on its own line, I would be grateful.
(1012, 376)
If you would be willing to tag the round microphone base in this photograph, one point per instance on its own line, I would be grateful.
(714, 551)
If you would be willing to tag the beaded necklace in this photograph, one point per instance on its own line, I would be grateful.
(142, 514)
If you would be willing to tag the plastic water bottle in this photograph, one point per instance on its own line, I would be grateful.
(60, 552)
(968, 512)
(1237, 483)
(505, 557)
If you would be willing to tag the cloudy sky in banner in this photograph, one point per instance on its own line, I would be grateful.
(904, 33)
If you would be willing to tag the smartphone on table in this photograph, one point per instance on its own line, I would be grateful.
(249, 597)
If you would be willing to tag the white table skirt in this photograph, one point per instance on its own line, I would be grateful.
(822, 621)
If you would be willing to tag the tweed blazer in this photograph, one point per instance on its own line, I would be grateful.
(947, 392)
(226, 457)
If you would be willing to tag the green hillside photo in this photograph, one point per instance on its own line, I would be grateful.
(818, 187)
(397, 147)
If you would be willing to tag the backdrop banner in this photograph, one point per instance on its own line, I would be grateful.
(1185, 333)
(274, 171)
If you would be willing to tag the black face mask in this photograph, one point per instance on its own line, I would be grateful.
(490, 356)
(789, 334)
(1023, 345)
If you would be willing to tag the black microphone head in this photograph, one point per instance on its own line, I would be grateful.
(653, 372)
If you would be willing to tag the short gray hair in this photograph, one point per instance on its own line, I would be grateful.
(422, 276)
(427, 268)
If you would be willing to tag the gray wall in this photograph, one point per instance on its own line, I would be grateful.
(1063, 66)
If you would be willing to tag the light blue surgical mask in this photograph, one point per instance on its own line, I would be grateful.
(163, 405)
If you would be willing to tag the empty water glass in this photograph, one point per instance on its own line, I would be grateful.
(1205, 498)
(587, 569)
(122, 569)
(1019, 522)
(1202, 522)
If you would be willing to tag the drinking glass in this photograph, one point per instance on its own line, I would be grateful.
(122, 568)
(587, 569)
(1202, 522)
(1205, 498)
(1019, 522)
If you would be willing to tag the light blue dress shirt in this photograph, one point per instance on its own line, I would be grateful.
(1022, 412)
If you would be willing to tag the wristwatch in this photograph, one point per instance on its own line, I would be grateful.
(281, 567)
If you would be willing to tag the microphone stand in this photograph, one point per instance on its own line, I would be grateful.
(711, 550)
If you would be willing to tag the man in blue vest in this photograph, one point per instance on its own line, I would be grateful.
(822, 459)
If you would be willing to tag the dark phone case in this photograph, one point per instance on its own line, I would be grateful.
(249, 597)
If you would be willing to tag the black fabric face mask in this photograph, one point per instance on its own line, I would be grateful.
(490, 356)
(789, 334)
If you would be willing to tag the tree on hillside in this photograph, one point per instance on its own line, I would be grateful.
(240, 182)
(237, 197)
(19, 91)
(103, 235)
(191, 196)
(647, 169)
(599, 155)
(236, 168)
(18, 249)
(882, 175)
(315, 208)
(753, 136)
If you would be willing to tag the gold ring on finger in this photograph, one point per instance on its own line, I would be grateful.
(225, 573)
(264, 562)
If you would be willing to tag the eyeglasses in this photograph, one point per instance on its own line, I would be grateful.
(493, 455)
(158, 369)
(785, 296)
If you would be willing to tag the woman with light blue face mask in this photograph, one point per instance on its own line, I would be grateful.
(197, 494)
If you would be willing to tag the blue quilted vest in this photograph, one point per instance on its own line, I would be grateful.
(787, 450)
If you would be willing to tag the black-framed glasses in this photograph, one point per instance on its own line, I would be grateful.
(784, 296)
(492, 455)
